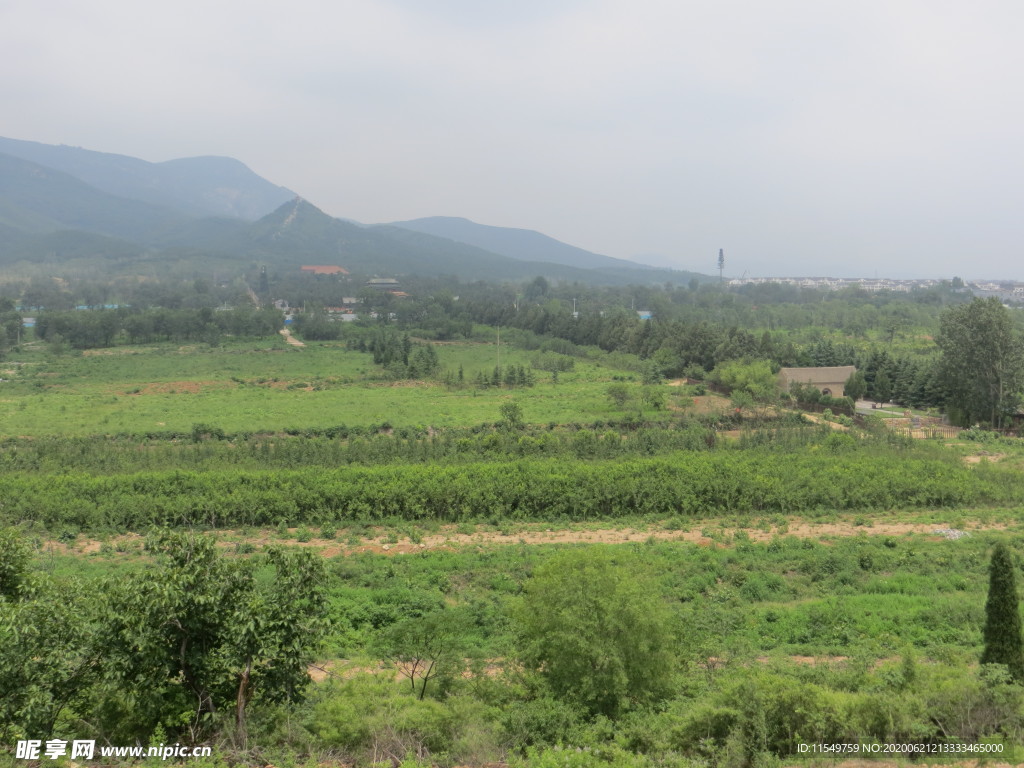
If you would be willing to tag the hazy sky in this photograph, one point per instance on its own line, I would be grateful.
(803, 137)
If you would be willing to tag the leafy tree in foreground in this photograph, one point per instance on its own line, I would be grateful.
(1003, 642)
(594, 626)
(199, 636)
(47, 662)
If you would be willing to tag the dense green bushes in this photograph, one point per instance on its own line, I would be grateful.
(689, 484)
(207, 446)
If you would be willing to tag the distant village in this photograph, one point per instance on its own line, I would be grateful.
(1004, 289)
(346, 312)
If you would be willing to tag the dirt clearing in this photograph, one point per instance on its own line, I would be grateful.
(387, 541)
(178, 387)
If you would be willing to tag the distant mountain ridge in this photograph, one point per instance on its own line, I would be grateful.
(522, 244)
(200, 186)
(110, 212)
(299, 232)
(36, 198)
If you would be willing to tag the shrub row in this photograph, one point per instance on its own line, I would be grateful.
(691, 484)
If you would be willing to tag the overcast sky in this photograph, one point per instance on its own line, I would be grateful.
(803, 137)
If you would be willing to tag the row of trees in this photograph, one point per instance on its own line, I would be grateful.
(398, 354)
(89, 329)
(695, 484)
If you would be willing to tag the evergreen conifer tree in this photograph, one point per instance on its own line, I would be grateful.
(1003, 642)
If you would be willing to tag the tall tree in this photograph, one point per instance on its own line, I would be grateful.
(982, 361)
(592, 623)
(855, 387)
(1003, 642)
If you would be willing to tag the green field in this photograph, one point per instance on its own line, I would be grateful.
(269, 386)
(819, 637)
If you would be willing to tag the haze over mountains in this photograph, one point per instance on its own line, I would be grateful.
(201, 186)
(66, 205)
(522, 244)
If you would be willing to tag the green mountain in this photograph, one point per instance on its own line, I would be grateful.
(300, 233)
(529, 245)
(198, 186)
(522, 244)
(38, 199)
(92, 211)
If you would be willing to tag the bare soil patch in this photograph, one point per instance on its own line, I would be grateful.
(709, 404)
(290, 339)
(117, 351)
(179, 387)
(708, 533)
(977, 457)
(817, 419)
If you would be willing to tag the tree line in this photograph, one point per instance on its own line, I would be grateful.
(693, 484)
(90, 329)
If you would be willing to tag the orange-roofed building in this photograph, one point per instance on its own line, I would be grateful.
(325, 269)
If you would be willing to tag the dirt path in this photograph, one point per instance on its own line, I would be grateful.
(708, 533)
(290, 339)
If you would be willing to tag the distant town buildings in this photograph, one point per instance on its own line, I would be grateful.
(324, 269)
(1004, 289)
(837, 283)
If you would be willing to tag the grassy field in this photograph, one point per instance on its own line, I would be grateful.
(816, 626)
(269, 386)
(900, 582)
